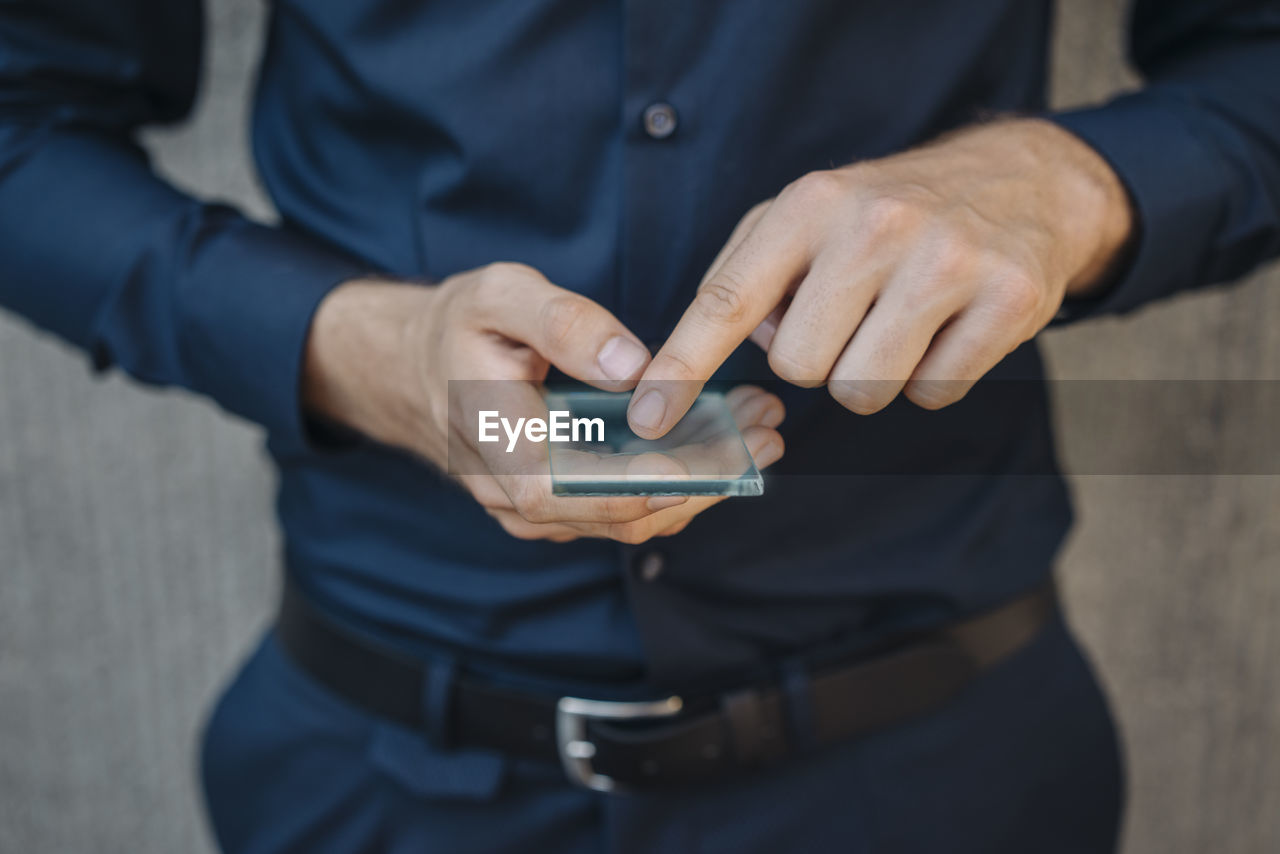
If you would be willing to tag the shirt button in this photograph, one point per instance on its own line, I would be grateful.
(660, 120)
(649, 566)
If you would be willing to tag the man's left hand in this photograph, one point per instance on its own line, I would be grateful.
(915, 273)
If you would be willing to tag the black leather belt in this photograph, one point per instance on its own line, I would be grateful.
(613, 746)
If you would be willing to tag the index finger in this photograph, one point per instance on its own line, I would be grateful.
(729, 305)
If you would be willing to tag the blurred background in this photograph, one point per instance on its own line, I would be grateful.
(137, 548)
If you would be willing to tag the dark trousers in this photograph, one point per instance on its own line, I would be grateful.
(1025, 760)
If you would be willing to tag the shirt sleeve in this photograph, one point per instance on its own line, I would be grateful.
(97, 249)
(1198, 147)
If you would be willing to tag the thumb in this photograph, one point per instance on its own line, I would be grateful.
(576, 334)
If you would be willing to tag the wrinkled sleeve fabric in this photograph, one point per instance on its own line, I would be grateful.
(97, 249)
(1198, 147)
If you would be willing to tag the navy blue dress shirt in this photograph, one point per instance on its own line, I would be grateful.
(612, 145)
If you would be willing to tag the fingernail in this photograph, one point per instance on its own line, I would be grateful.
(773, 416)
(763, 334)
(768, 452)
(662, 502)
(621, 358)
(647, 412)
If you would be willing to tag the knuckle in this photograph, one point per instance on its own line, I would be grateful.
(1017, 295)
(757, 211)
(491, 286)
(888, 216)
(508, 270)
(493, 504)
(508, 523)
(529, 502)
(536, 512)
(856, 396)
(952, 257)
(720, 299)
(629, 533)
(796, 368)
(563, 317)
(949, 265)
(494, 282)
(815, 188)
(518, 532)
(626, 510)
(485, 294)
(614, 513)
(673, 364)
(934, 395)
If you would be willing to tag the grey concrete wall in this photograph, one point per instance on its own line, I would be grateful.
(137, 551)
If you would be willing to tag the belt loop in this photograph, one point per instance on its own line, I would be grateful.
(797, 688)
(437, 701)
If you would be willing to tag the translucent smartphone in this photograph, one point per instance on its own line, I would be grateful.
(704, 454)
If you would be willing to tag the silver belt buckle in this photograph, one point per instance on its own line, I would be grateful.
(576, 750)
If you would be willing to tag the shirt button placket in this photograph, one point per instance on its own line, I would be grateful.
(658, 143)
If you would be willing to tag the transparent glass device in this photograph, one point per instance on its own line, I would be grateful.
(704, 454)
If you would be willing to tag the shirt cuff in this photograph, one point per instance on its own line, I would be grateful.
(245, 343)
(1175, 185)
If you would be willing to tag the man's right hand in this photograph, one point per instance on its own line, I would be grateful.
(381, 354)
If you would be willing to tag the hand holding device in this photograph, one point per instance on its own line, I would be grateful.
(381, 356)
